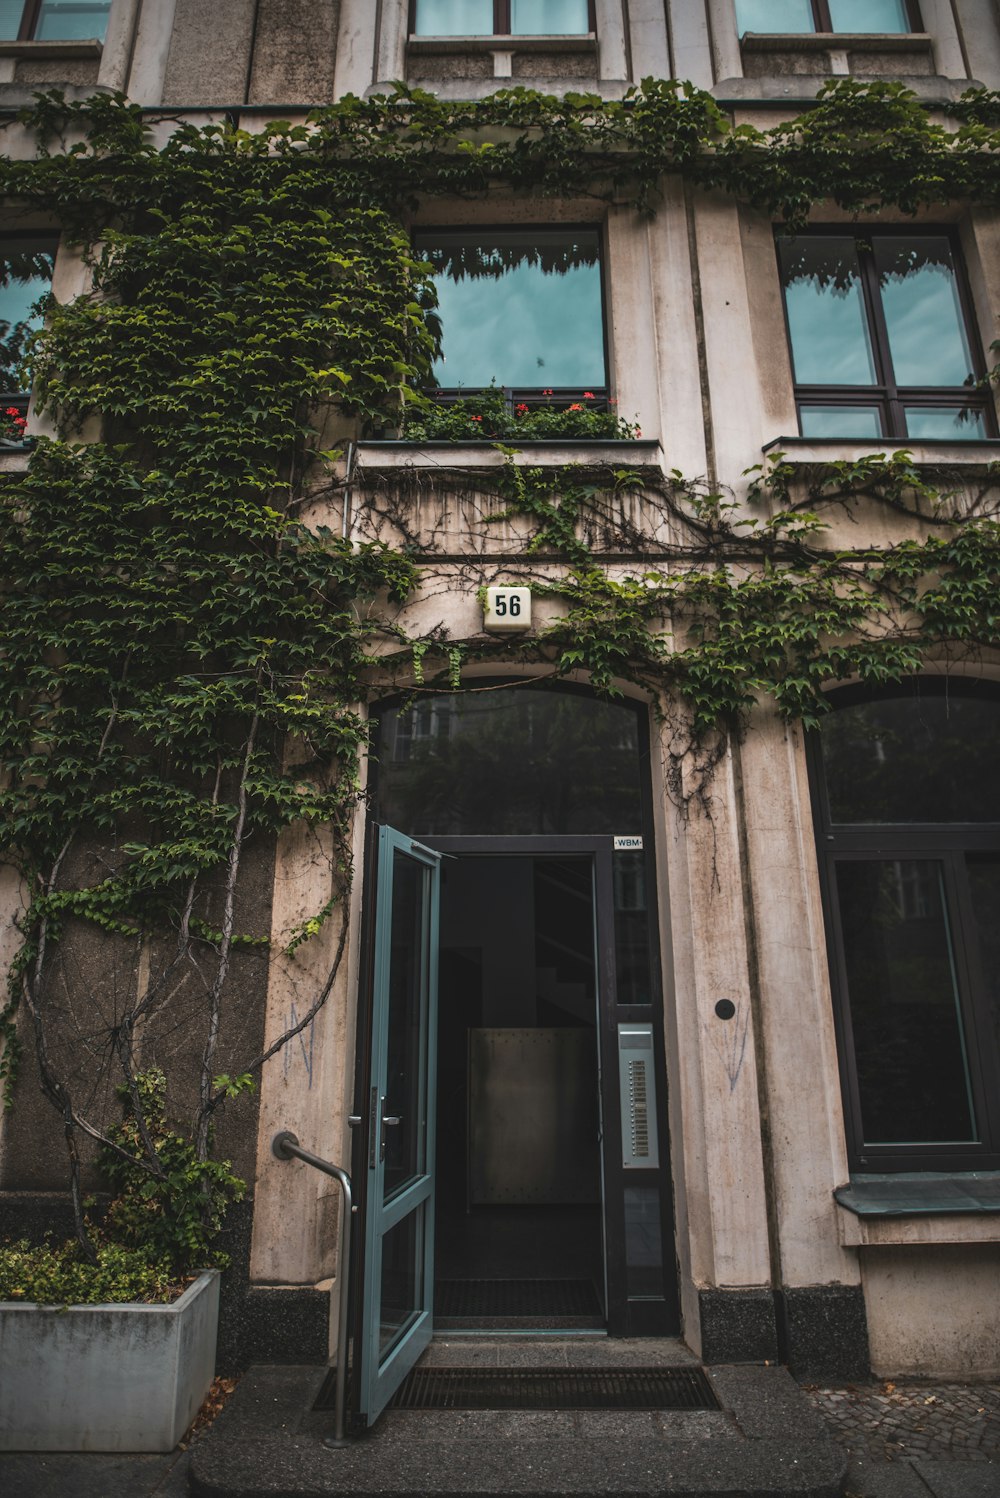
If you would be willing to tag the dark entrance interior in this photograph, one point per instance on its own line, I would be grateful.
(519, 1235)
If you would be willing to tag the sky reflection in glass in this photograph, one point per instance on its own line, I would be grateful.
(840, 421)
(70, 20)
(961, 425)
(549, 18)
(869, 15)
(521, 321)
(774, 15)
(922, 311)
(454, 18)
(826, 315)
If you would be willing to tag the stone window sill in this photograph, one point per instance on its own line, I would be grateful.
(920, 1207)
(546, 453)
(39, 51)
(417, 45)
(839, 41)
(974, 458)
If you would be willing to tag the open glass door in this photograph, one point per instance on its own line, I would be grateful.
(398, 1277)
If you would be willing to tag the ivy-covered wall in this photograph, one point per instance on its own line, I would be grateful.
(185, 657)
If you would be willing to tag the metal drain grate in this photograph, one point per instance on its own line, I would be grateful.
(555, 1389)
(455, 1299)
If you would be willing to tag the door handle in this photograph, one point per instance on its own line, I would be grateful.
(389, 1121)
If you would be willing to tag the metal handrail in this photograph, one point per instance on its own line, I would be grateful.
(285, 1146)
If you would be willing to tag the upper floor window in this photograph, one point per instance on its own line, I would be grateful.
(881, 336)
(25, 275)
(502, 17)
(908, 832)
(789, 16)
(53, 20)
(519, 308)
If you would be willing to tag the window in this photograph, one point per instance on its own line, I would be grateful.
(53, 20)
(908, 821)
(25, 274)
(519, 308)
(502, 17)
(853, 16)
(878, 326)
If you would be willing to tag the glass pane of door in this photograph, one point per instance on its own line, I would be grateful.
(399, 1190)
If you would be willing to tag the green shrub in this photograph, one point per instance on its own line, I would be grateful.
(58, 1274)
(175, 1215)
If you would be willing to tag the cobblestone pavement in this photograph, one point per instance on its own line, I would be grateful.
(891, 1422)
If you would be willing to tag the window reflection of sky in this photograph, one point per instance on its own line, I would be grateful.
(528, 327)
(840, 421)
(549, 17)
(774, 15)
(826, 315)
(18, 297)
(454, 18)
(869, 15)
(922, 312)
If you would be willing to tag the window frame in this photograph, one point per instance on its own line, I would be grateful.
(530, 395)
(886, 393)
(947, 843)
(501, 22)
(30, 16)
(42, 243)
(823, 23)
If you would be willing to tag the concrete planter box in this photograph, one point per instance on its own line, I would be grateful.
(106, 1378)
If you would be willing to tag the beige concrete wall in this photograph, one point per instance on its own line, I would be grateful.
(934, 1312)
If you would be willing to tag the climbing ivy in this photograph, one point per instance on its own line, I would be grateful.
(185, 653)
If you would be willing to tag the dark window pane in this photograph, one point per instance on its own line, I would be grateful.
(921, 758)
(518, 309)
(549, 17)
(643, 1241)
(984, 887)
(72, 20)
(774, 15)
(840, 421)
(922, 310)
(826, 312)
(632, 955)
(509, 761)
(869, 15)
(402, 1279)
(965, 424)
(909, 1049)
(404, 1142)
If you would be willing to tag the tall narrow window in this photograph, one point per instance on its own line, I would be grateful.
(908, 823)
(53, 20)
(879, 330)
(858, 16)
(502, 17)
(522, 309)
(25, 275)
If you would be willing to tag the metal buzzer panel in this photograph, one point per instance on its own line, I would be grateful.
(637, 1083)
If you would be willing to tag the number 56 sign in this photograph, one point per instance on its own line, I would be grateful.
(507, 609)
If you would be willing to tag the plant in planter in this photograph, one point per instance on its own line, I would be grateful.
(488, 415)
(115, 1349)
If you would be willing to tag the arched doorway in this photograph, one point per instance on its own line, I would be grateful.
(551, 1193)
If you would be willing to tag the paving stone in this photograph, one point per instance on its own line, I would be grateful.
(960, 1479)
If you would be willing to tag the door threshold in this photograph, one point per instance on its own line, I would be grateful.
(488, 1334)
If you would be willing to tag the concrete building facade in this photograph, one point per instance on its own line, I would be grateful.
(785, 969)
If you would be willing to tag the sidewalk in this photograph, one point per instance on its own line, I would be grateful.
(903, 1440)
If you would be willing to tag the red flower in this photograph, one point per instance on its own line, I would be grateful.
(575, 407)
(521, 410)
(589, 395)
(546, 392)
(477, 418)
(13, 411)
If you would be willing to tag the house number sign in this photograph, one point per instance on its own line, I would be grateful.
(507, 609)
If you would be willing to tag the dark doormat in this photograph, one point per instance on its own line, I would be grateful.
(545, 1389)
(473, 1299)
(555, 1389)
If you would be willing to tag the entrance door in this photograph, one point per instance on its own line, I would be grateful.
(398, 1222)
